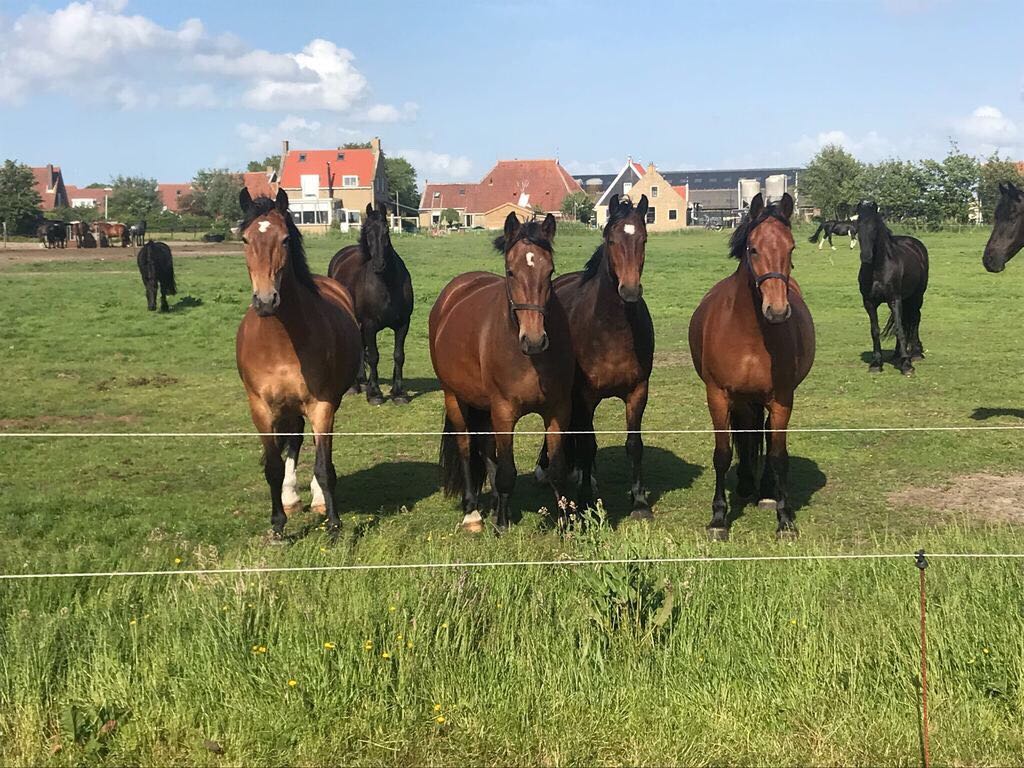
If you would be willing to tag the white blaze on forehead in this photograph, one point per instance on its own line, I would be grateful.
(629, 229)
(529, 258)
(264, 225)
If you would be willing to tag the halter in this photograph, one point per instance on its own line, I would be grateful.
(517, 307)
(759, 279)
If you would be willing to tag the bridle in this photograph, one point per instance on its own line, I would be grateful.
(759, 279)
(516, 306)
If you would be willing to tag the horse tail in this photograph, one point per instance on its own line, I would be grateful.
(453, 480)
(814, 238)
(165, 272)
(742, 420)
(890, 327)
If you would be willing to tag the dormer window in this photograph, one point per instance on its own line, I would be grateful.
(302, 157)
(341, 155)
(437, 195)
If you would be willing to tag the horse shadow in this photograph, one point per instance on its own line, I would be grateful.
(888, 355)
(186, 303)
(981, 414)
(805, 479)
(419, 387)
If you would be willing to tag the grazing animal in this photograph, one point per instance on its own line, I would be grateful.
(42, 228)
(501, 348)
(833, 227)
(157, 270)
(381, 287)
(80, 229)
(613, 339)
(137, 232)
(1007, 236)
(894, 270)
(108, 232)
(297, 351)
(56, 235)
(752, 343)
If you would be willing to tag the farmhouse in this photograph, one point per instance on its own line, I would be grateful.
(329, 187)
(49, 183)
(520, 186)
(667, 204)
(174, 197)
(88, 197)
(620, 184)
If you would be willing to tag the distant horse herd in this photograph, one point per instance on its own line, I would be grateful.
(101, 234)
(506, 345)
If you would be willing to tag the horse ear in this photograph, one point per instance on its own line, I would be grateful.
(382, 208)
(245, 199)
(511, 227)
(282, 200)
(548, 227)
(756, 205)
(787, 205)
(369, 210)
(642, 206)
(612, 205)
(1013, 190)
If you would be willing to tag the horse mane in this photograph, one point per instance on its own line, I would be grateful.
(263, 205)
(531, 232)
(593, 266)
(738, 241)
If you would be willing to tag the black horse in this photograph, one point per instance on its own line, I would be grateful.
(56, 235)
(1007, 236)
(157, 269)
(137, 232)
(834, 227)
(894, 270)
(381, 288)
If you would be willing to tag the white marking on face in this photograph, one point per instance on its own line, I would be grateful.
(529, 258)
(629, 229)
(264, 225)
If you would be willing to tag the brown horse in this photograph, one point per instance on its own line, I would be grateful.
(501, 348)
(752, 342)
(613, 338)
(112, 232)
(298, 350)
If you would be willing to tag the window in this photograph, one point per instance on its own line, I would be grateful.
(302, 157)
(310, 183)
(435, 219)
(353, 217)
(626, 187)
(341, 155)
(309, 217)
(297, 217)
(321, 217)
(350, 181)
(673, 214)
(469, 220)
(654, 192)
(650, 215)
(437, 195)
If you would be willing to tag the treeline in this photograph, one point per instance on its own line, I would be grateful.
(958, 189)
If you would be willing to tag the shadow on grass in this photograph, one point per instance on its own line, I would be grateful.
(805, 479)
(186, 303)
(981, 414)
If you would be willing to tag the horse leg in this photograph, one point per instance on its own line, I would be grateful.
(398, 394)
(636, 402)
(913, 313)
(821, 243)
(322, 421)
(853, 240)
(746, 445)
(163, 299)
(151, 295)
(558, 470)
(585, 449)
(373, 393)
(876, 337)
(830, 243)
(902, 350)
(718, 405)
(504, 421)
(273, 465)
(289, 489)
(457, 415)
(778, 458)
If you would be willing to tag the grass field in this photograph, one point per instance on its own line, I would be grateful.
(721, 663)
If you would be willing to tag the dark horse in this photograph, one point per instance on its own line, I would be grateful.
(297, 351)
(57, 235)
(380, 285)
(157, 270)
(613, 339)
(137, 232)
(752, 343)
(832, 227)
(1007, 236)
(894, 270)
(501, 348)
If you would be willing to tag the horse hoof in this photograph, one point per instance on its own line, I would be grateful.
(908, 371)
(375, 399)
(787, 534)
(874, 369)
(401, 399)
(294, 509)
(718, 534)
(917, 356)
(473, 522)
(643, 513)
(767, 505)
(318, 509)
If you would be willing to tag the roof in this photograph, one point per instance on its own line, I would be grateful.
(48, 180)
(630, 166)
(343, 162)
(458, 196)
(171, 195)
(259, 183)
(727, 179)
(682, 190)
(96, 194)
(526, 183)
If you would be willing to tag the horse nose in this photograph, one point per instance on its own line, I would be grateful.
(773, 315)
(631, 293)
(532, 346)
(266, 304)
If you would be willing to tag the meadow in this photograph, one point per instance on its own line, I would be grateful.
(782, 663)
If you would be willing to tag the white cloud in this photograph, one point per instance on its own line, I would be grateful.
(200, 96)
(386, 113)
(299, 131)
(585, 167)
(437, 166)
(869, 147)
(988, 126)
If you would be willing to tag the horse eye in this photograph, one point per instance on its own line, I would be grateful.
(510, 273)
(245, 239)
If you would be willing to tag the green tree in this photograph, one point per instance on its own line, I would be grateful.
(896, 185)
(88, 213)
(356, 145)
(951, 187)
(450, 217)
(832, 180)
(133, 198)
(993, 172)
(578, 207)
(402, 181)
(19, 200)
(215, 194)
(270, 161)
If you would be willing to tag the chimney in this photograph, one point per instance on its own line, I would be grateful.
(284, 148)
(49, 177)
(375, 145)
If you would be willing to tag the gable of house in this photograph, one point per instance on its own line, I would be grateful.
(667, 203)
(49, 183)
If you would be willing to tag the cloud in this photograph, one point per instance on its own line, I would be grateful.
(988, 126)
(298, 130)
(437, 166)
(585, 167)
(869, 147)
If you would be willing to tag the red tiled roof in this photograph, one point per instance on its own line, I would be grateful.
(354, 162)
(528, 183)
(258, 183)
(459, 196)
(638, 168)
(172, 195)
(48, 184)
(96, 194)
(683, 190)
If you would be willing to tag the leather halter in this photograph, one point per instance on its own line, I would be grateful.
(759, 279)
(522, 307)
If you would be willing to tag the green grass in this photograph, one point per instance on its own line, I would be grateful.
(754, 663)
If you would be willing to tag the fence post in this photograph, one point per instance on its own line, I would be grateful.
(922, 563)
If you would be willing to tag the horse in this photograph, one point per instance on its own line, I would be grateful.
(613, 338)
(56, 234)
(157, 270)
(1007, 236)
(893, 269)
(297, 351)
(79, 230)
(834, 227)
(137, 232)
(752, 343)
(381, 287)
(501, 348)
(108, 232)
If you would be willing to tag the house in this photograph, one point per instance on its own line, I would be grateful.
(89, 197)
(727, 191)
(49, 183)
(620, 184)
(174, 197)
(667, 203)
(261, 182)
(331, 187)
(520, 186)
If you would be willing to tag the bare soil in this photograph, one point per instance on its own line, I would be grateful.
(999, 498)
(33, 253)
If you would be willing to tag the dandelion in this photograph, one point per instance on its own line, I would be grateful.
(323, 549)
(392, 608)
(385, 655)
(445, 625)
(368, 645)
(430, 537)
(329, 646)
(177, 561)
(259, 649)
(439, 720)
(985, 651)
(792, 622)
(225, 607)
(409, 645)
(292, 683)
(437, 707)
(132, 623)
(399, 635)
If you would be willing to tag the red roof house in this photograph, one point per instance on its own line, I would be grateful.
(49, 183)
(173, 196)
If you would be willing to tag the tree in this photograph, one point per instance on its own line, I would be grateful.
(832, 179)
(270, 161)
(215, 194)
(19, 200)
(950, 187)
(995, 171)
(897, 185)
(578, 206)
(402, 181)
(133, 198)
(356, 145)
(450, 217)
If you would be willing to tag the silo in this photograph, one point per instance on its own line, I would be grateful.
(775, 187)
(747, 189)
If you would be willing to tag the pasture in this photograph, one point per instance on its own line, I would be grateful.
(811, 662)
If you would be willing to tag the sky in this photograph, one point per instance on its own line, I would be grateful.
(159, 89)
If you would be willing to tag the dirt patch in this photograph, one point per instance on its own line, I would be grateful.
(992, 497)
(157, 381)
(46, 420)
(33, 253)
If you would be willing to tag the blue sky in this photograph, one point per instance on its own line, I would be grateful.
(162, 89)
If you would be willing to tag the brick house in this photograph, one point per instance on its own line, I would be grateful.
(621, 184)
(89, 197)
(667, 203)
(49, 183)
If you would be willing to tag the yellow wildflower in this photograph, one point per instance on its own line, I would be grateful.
(177, 561)
(399, 635)
(292, 683)
(439, 720)
(437, 707)
(132, 623)
(392, 608)
(984, 650)
(385, 655)
(368, 645)
(409, 645)
(329, 646)
(445, 625)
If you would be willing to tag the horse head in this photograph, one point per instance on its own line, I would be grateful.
(375, 236)
(1007, 236)
(869, 226)
(625, 241)
(529, 264)
(768, 252)
(266, 234)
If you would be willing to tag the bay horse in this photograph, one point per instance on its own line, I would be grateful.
(501, 348)
(613, 339)
(894, 270)
(157, 269)
(833, 227)
(752, 343)
(381, 288)
(1007, 236)
(112, 232)
(297, 351)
